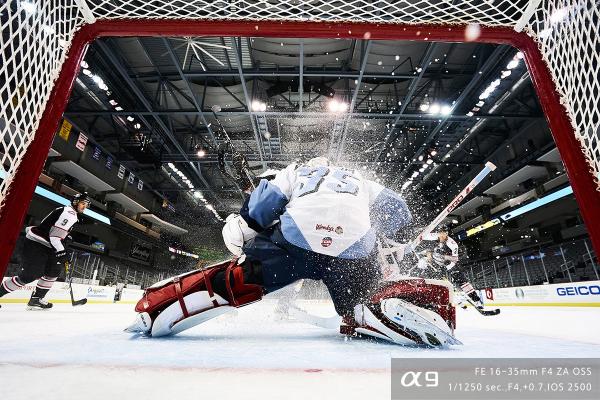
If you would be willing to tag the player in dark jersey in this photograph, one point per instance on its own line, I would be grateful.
(44, 253)
(442, 258)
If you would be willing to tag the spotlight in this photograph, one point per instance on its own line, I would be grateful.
(258, 106)
(513, 64)
(337, 106)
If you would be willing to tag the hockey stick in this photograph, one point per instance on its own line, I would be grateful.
(238, 157)
(70, 274)
(489, 167)
(401, 247)
(481, 311)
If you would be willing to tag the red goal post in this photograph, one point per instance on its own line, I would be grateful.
(42, 47)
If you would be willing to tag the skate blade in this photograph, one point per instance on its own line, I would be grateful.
(31, 308)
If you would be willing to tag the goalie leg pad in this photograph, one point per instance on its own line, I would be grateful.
(200, 308)
(407, 312)
(433, 295)
(403, 323)
(190, 299)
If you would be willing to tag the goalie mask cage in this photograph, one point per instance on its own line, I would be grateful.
(44, 41)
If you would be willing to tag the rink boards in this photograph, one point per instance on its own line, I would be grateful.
(577, 294)
(570, 294)
(60, 294)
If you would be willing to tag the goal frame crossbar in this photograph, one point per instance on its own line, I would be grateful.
(26, 177)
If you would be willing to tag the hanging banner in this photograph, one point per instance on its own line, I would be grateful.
(65, 130)
(121, 173)
(109, 163)
(81, 141)
(140, 251)
(131, 178)
(140, 185)
(96, 154)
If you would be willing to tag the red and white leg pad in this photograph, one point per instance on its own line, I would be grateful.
(179, 303)
(407, 312)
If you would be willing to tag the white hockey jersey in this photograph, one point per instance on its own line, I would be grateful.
(449, 248)
(328, 210)
(54, 228)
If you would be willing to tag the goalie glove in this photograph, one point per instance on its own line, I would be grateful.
(236, 233)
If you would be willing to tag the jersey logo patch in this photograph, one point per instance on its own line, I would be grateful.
(326, 242)
(321, 227)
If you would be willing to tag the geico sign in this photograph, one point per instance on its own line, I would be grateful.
(578, 290)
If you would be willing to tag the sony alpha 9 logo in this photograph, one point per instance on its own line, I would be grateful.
(420, 379)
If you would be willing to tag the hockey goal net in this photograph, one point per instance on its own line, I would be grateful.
(43, 42)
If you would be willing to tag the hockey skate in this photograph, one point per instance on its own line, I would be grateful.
(35, 303)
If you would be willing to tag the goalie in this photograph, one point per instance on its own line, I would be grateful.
(312, 221)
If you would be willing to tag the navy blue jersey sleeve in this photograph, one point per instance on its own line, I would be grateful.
(245, 213)
(267, 203)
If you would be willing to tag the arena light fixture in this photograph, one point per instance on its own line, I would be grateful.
(446, 110)
(512, 64)
(435, 109)
(336, 106)
(258, 106)
(97, 80)
(424, 107)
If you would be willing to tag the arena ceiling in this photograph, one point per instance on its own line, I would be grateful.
(409, 114)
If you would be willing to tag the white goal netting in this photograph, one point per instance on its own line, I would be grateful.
(36, 36)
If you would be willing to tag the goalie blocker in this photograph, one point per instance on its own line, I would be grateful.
(414, 311)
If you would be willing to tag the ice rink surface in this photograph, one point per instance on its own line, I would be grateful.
(82, 352)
